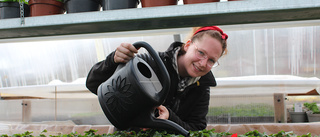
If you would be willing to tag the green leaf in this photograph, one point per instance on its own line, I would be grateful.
(24, 1)
(91, 132)
(312, 107)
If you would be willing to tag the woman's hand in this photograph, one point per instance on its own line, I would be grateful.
(124, 53)
(163, 112)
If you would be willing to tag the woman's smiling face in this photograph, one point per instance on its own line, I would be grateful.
(191, 64)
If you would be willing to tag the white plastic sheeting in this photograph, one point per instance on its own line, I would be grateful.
(281, 51)
(265, 84)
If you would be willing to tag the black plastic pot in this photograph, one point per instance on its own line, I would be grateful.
(75, 6)
(12, 10)
(119, 4)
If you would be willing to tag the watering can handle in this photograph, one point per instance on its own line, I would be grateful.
(164, 75)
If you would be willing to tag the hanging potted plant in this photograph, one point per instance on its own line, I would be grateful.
(75, 6)
(46, 7)
(154, 3)
(198, 1)
(119, 4)
(313, 113)
(11, 8)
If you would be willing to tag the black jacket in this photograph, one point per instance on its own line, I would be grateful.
(188, 108)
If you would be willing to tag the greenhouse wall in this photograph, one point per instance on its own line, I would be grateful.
(280, 51)
(292, 52)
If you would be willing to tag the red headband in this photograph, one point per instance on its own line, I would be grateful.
(223, 35)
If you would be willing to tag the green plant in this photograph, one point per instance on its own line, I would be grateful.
(24, 1)
(312, 107)
(153, 133)
(243, 110)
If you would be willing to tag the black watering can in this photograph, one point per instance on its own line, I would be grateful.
(130, 96)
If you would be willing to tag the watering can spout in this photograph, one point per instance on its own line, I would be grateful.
(149, 121)
(171, 126)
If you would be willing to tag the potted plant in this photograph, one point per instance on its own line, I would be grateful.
(297, 114)
(11, 8)
(75, 6)
(198, 1)
(46, 7)
(154, 3)
(119, 4)
(313, 113)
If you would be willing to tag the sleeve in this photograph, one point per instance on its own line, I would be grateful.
(194, 116)
(100, 72)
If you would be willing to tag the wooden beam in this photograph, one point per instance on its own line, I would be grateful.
(280, 115)
(312, 92)
(26, 111)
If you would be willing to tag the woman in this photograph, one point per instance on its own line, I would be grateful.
(189, 68)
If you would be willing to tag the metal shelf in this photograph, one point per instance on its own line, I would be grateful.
(166, 17)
